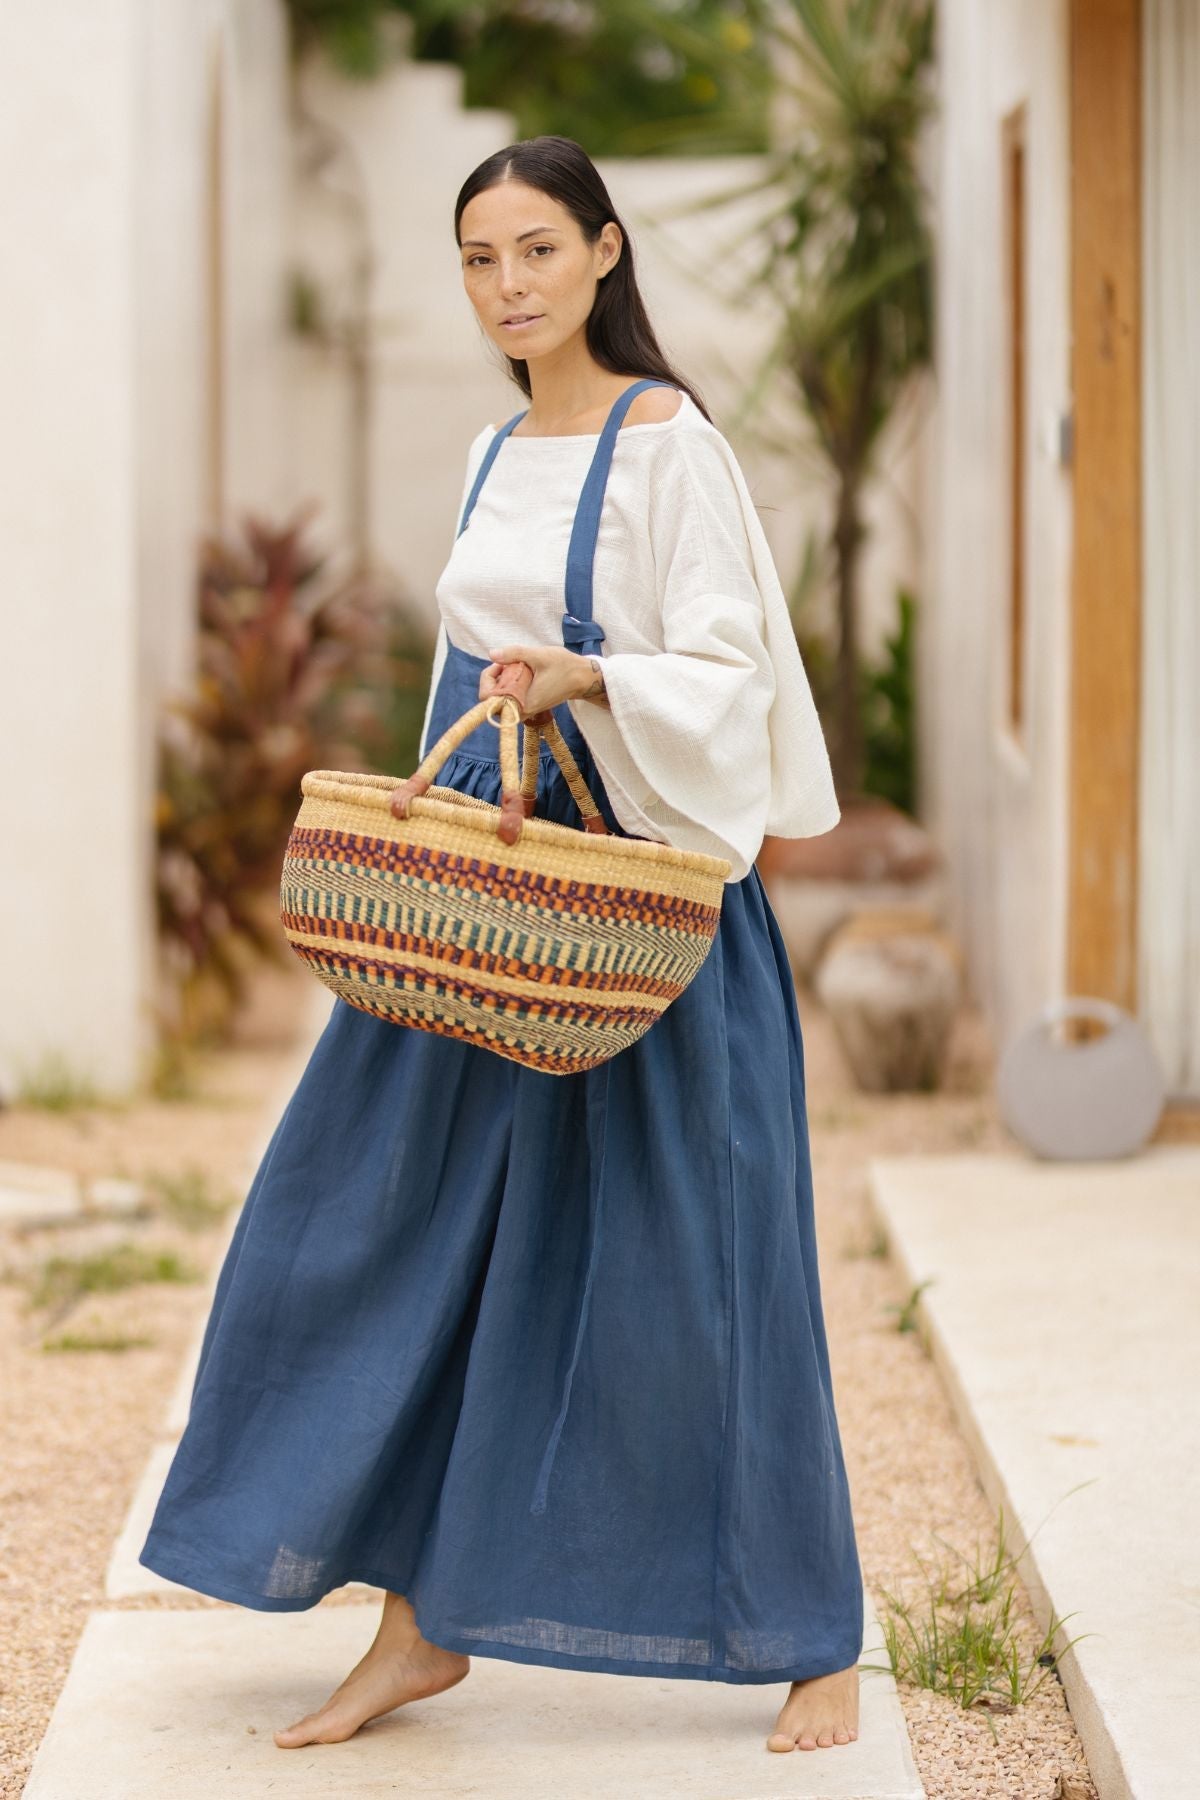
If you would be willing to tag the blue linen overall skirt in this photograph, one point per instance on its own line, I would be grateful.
(544, 1353)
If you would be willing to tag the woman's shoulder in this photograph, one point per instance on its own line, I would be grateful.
(692, 447)
(478, 445)
(653, 406)
(669, 432)
(693, 485)
(672, 409)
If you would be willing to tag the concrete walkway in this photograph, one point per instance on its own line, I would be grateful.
(1064, 1311)
(180, 1704)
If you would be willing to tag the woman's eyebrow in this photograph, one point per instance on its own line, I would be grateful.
(534, 231)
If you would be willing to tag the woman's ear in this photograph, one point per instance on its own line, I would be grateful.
(609, 244)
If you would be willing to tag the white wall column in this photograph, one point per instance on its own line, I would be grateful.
(1169, 800)
(76, 910)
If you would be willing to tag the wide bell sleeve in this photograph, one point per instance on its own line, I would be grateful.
(710, 738)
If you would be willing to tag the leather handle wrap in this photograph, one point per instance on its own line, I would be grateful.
(518, 781)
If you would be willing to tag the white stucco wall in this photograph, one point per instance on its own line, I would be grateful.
(103, 296)
(998, 807)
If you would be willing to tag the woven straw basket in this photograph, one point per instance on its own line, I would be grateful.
(552, 946)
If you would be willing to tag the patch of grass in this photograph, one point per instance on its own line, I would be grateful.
(171, 1074)
(53, 1084)
(906, 1312)
(962, 1635)
(188, 1199)
(62, 1280)
(73, 1340)
(876, 1245)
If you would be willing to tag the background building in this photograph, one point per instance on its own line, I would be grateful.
(1061, 658)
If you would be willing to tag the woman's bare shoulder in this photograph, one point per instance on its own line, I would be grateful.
(654, 406)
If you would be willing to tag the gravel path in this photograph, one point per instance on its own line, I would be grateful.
(76, 1427)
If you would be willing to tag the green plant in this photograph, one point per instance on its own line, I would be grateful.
(53, 1084)
(294, 671)
(906, 1313)
(875, 1245)
(62, 1280)
(626, 78)
(888, 714)
(962, 1634)
(842, 254)
(187, 1199)
(170, 1072)
(73, 1341)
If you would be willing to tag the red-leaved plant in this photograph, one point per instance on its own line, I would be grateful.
(293, 671)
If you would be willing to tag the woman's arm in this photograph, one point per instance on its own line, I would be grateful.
(597, 690)
(683, 744)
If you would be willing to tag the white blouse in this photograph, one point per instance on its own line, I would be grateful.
(711, 739)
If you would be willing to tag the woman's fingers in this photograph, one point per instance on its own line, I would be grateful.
(514, 678)
(506, 678)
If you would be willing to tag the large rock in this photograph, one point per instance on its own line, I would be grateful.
(891, 982)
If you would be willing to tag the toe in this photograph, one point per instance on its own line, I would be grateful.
(841, 1735)
(824, 1739)
(806, 1741)
(317, 1728)
(779, 1740)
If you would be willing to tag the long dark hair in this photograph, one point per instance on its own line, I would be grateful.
(619, 333)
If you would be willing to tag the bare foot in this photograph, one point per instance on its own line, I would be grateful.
(400, 1665)
(818, 1713)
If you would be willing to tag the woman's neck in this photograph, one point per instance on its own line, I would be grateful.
(569, 395)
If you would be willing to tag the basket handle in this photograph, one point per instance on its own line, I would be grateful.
(518, 783)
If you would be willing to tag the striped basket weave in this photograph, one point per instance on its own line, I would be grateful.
(552, 946)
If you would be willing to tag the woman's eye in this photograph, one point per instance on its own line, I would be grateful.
(479, 256)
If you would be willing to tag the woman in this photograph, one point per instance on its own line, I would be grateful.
(543, 1356)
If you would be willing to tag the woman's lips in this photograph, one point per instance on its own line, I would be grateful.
(520, 324)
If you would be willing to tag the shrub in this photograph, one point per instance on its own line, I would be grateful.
(294, 671)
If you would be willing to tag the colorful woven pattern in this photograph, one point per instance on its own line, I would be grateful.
(556, 952)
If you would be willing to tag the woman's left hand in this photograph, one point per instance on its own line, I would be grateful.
(558, 674)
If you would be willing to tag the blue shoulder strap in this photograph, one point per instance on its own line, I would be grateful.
(580, 631)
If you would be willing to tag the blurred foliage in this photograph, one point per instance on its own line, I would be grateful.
(889, 713)
(848, 259)
(294, 671)
(188, 1198)
(52, 1082)
(61, 1281)
(887, 689)
(624, 78)
(841, 246)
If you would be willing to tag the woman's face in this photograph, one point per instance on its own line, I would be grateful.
(528, 270)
